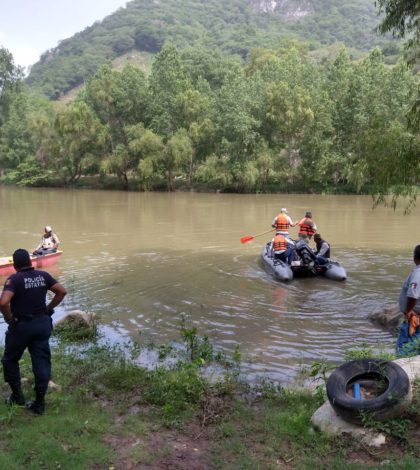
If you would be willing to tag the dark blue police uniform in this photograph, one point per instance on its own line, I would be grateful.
(31, 328)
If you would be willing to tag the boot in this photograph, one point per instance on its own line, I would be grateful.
(16, 397)
(38, 405)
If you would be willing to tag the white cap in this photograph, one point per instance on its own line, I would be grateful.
(283, 209)
(48, 228)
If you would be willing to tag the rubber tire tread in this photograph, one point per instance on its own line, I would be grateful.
(385, 406)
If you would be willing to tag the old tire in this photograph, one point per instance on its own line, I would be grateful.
(394, 395)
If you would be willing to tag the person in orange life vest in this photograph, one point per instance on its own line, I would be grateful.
(282, 248)
(282, 222)
(322, 250)
(49, 242)
(307, 227)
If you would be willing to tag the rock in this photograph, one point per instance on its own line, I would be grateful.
(326, 419)
(53, 387)
(77, 317)
(388, 317)
(76, 325)
(411, 365)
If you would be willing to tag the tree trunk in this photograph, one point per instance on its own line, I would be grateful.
(170, 181)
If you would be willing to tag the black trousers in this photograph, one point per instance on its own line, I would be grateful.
(33, 334)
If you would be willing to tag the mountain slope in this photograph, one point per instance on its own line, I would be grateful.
(234, 26)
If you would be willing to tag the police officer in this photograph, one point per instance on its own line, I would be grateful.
(23, 305)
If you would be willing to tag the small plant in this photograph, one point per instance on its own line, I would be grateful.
(164, 351)
(321, 369)
(76, 329)
(200, 350)
(364, 350)
(397, 428)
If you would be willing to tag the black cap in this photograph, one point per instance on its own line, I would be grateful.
(21, 258)
(317, 236)
(417, 252)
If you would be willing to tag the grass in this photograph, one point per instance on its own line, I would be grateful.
(110, 413)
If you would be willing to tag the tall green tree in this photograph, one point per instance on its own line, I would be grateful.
(167, 82)
(72, 149)
(177, 156)
(402, 19)
(10, 79)
(120, 100)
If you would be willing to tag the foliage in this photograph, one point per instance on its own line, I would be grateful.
(397, 428)
(367, 351)
(76, 329)
(28, 173)
(106, 398)
(280, 122)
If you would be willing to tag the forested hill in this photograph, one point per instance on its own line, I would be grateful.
(234, 26)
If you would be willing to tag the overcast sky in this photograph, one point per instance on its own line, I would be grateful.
(30, 27)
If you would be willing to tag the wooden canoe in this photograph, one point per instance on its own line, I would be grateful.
(7, 268)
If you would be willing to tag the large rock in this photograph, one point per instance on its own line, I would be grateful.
(77, 325)
(388, 317)
(77, 318)
(327, 420)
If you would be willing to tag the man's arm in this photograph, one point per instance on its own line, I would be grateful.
(6, 297)
(56, 240)
(59, 294)
(323, 250)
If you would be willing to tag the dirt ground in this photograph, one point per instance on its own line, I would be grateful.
(190, 448)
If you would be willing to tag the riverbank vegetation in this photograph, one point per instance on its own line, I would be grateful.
(279, 122)
(276, 119)
(108, 412)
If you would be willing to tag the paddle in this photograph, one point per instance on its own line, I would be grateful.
(248, 238)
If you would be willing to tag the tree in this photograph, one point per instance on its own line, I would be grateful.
(177, 155)
(402, 17)
(73, 145)
(10, 74)
(145, 149)
(10, 79)
(120, 100)
(167, 81)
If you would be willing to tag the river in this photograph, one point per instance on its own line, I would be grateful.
(142, 261)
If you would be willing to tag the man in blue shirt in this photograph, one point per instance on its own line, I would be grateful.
(23, 305)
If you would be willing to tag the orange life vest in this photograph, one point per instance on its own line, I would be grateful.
(306, 229)
(282, 223)
(279, 243)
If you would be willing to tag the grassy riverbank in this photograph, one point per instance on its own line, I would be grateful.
(110, 413)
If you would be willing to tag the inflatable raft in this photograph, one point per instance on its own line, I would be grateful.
(279, 268)
(304, 264)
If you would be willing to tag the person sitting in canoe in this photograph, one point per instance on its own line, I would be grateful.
(282, 222)
(49, 243)
(282, 248)
(322, 250)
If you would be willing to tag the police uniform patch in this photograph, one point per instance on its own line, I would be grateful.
(413, 285)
